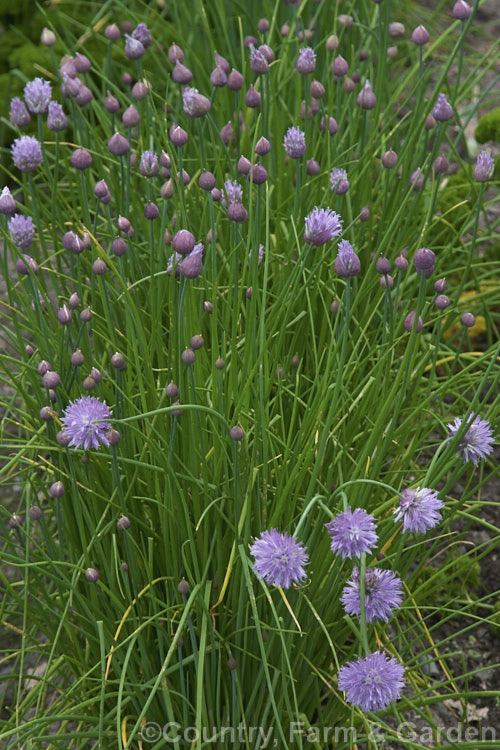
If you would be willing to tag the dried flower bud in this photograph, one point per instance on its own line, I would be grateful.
(183, 587)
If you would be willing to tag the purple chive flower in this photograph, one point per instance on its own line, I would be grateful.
(234, 192)
(26, 153)
(260, 256)
(56, 119)
(7, 202)
(294, 142)
(181, 74)
(134, 49)
(194, 104)
(352, 532)
(485, 167)
(372, 682)
(383, 594)
(279, 559)
(322, 225)
(347, 263)
(86, 422)
(418, 509)
(258, 62)
(148, 165)
(443, 110)
(339, 183)
(37, 94)
(306, 62)
(22, 230)
(19, 115)
(477, 442)
(142, 34)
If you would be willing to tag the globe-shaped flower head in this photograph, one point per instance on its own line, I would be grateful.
(22, 230)
(322, 225)
(279, 558)
(294, 143)
(86, 423)
(307, 61)
(383, 594)
(38, 94)
(352, 532)
(372, 682)
(477, 442)
(418, 509)
(26, 153)
(347, 263)
(485, 167)
(339, 183)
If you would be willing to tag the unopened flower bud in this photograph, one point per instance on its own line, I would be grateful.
(56, 490)
(123, 523)
(77, 359)
(92, 575)
(442, 302)
(389, 159)
(468, 319)
(236, 433)
(118, 361)
(188, 356)
(196, 341)
(410, 320)
(424, 261)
